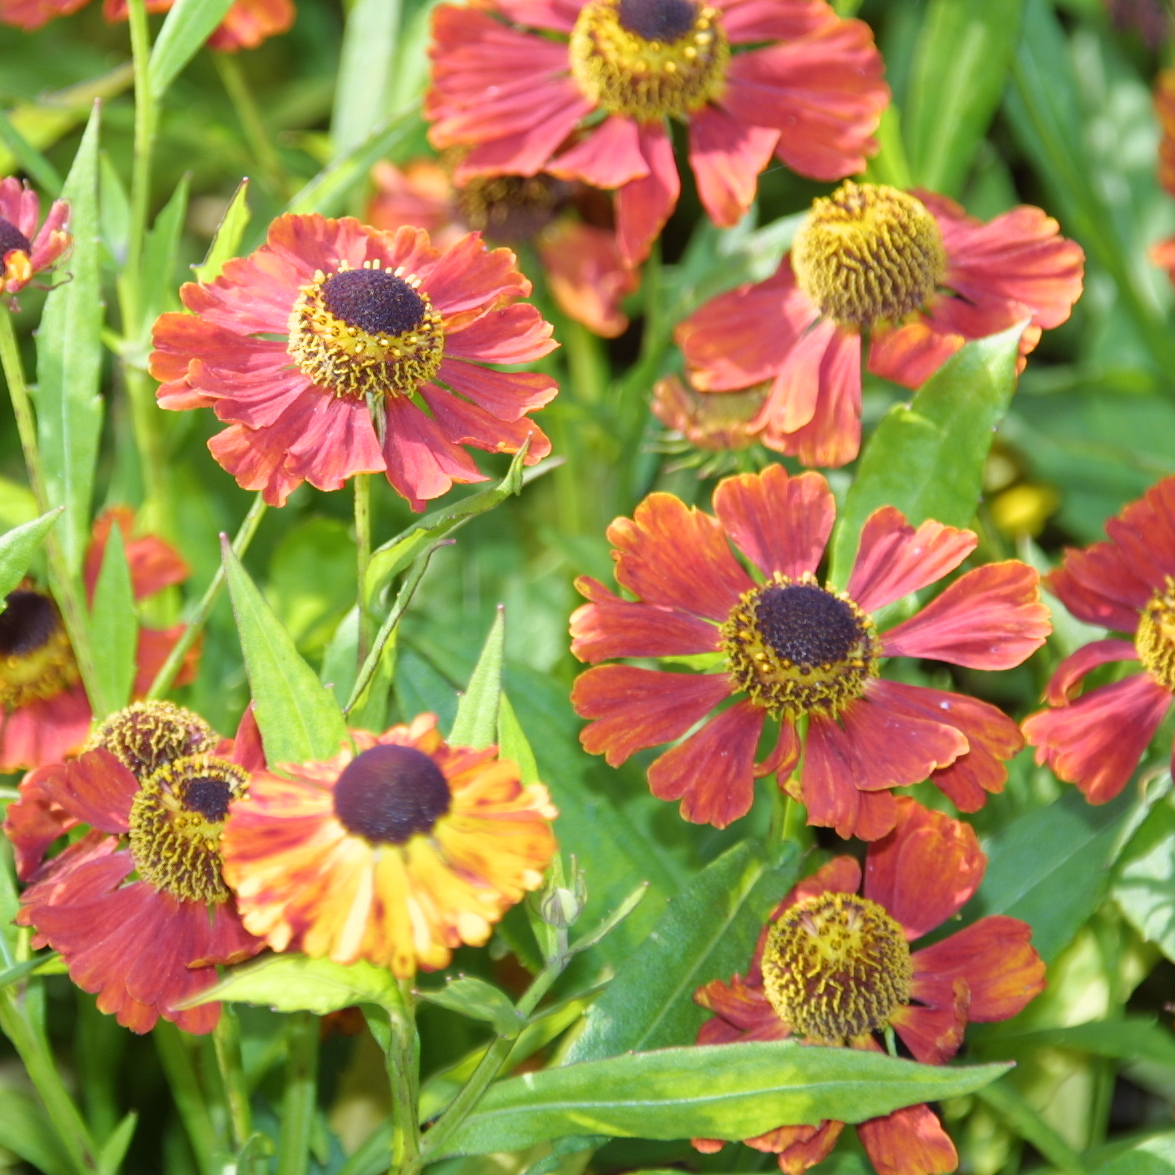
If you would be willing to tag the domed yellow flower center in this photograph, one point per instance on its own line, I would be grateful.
(868, 254)
(147, 735)
(797, 648)
(176, 820)
(1155, 638)
(389, 794)
(649, 58)
(36, 658)
(836, 967)
(366, 332)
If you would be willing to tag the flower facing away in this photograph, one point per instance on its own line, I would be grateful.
(1127, 585)
(395, 853)
(26, 250)
(834, 966)
(246, 24)
(46, 714)
(514, 80)
(585, 273)
(789, 649)
(153, 785)
(337, 349)
(910, 272)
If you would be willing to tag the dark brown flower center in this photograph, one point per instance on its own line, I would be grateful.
(390, 793)
(805, 624)
(12, 238)
(208, 796)
(28, 620)
(835, 967)
(147, 735)
(374, 300)
(657, 20)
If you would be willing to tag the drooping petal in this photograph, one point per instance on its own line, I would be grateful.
(557, 15)
(990, 618)
(741, 1012)
(925, 870)
(933, 1034)
(257, 458)
(587, 276)
(611, 627)
(44, 731)
(780, 523)
(422, 463)
(748, 21)
(894, 559)
(609, 157)
(513, 334)
(829, 785)
(910, 1141)
(637, 708)
(1097, 741)
(1145, 534)
(1068, 676)
(1099, 586)
(644, 205)
(153, 563)
(678, 557)
(727, 156)
(712, 772)
(798, 1147)
(912, 351)
(335, 441)
(469, 276)
(508, 395)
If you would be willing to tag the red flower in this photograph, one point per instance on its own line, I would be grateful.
(370, 323)
(810, 978)
(1127, 585)
(246, 24)
(788, 648)
(913, 272)
(514, 79)
(25, 250)
(158, 776)
(586, 275)
(46, 714)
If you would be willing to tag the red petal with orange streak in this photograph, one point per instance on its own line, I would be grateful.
(934, 1035)
(609, 157)
(644, 205)
(1067, 678)
(1098, 586)
(154, 564)
(910, 1141)
(727, 155)
(799, 1147)
(891, 747)
(45, 731)
(1145, 534)
(829, 784)
(741, 1012)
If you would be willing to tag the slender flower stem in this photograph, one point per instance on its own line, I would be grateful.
(167, 674)
(301, 1095)
(33, 1050)
(404, 1078)
(362, 488)
(249, 114)
(227, 1039)
(65, 585)
(186, 1092)
(146, 121)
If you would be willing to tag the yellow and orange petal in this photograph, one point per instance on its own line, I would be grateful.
(393, 858)
(25, 249)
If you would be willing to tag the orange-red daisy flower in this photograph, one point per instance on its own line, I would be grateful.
(1127, 585)
(585, 273)
(26, 250)
(326, 350)
(395, 852)
(153, 786)
(246, 24)
(513, 79)
(46, 714)
(836, 968)
(912, 272)
(786, 647)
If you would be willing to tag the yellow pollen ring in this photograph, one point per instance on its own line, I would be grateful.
(868, 254)
(835, 967)
(625, 74)
(352, 363)
(1155, 638)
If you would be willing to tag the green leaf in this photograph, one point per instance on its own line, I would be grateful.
(159, 259)
(229, 232)
(478, 1000)
(188, 25)
(294, 983)
(476, 724)
(1144, 886)
(114, 628)
(19, 971)
(513, 743)
(1134, 1038)
(927, 458)
(1153, 1156)
(26, 1131)
(708, 932)
(298, 717)
(730, 1091)
(17, 548)
(960, 68)
(1051, 867)
(69, 361)
(365, 72)
(28, 157)
(115, 1148)
(393, 556)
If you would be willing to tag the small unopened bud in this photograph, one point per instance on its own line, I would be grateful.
(563, 900)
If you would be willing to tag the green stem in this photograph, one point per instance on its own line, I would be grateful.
(64, 584)
(232, 77)
(33, 1050)
(146, 120)
(185, 1092)
(362, 488)
(404, 1077)
(146, 423)
(301, 1095)
(227, 1039)
(171, 666)
(1029, 1125)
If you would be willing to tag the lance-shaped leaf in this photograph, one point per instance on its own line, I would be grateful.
(188, 25)
(1144, 886)
(730, 1091)
(298, 716)
(227, 241)
(926, 458)
(476, 724)
(17, 548)
(114, 628)
(478, 1000)
(365, 72)
(159, 259)
(69, 361)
